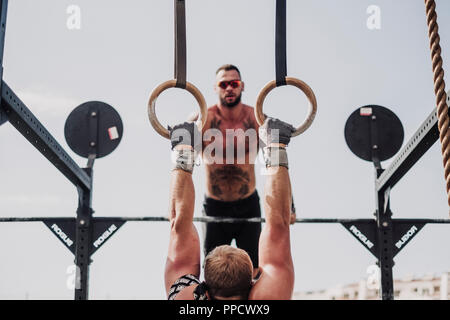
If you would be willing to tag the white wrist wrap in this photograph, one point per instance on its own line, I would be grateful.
(275, 157)
(183, 159)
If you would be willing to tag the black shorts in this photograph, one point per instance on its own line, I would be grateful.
(245, 233)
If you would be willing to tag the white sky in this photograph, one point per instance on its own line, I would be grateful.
(125, 48)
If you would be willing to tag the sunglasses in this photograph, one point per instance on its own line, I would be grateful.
(233, 83)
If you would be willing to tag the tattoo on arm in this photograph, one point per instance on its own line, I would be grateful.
(215, 123)
(248, 124)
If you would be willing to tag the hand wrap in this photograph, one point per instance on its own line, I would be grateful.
(276, 157)
(275, 131)
(186, 134)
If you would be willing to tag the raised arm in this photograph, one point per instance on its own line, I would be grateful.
(184, 246)
(277, 270)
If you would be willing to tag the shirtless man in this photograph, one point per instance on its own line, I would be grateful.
(228, 270)
(230, 172)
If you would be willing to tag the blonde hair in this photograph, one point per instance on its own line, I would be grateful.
(228, 272)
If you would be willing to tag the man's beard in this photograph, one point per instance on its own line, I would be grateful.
(231, 104)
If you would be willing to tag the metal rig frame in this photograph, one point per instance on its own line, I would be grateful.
(383, 236)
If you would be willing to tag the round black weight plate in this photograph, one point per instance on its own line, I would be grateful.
(358, 132)
(93, 127)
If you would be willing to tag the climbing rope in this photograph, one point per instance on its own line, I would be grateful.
(439, 89)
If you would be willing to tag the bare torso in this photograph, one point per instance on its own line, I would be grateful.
(230, 172)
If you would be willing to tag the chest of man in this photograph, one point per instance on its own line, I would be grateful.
(230, 141)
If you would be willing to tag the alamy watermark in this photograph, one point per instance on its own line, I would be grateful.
(374, 19)
(74, 17)
(73, 279)
(236, 146)
(373, 280)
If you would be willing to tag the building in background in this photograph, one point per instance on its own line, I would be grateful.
(428, 287)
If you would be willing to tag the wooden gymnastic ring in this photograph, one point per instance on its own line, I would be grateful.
(171, 84)
(259, 114)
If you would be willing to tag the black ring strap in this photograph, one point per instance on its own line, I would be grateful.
(280, 43)
(180, 43)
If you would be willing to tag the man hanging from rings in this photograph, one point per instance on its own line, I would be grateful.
(230, 147)
(228, 271)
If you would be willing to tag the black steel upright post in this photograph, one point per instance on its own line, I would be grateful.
(385, 241)
(83, 240)
(85, 222)
(3, 14)
(383, 214)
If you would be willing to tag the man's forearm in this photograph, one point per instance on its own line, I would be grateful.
(182, 198)
(277, 200)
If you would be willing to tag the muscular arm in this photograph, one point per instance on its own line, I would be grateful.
(184, 246)
(277, 278)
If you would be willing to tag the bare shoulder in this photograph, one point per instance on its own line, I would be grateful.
(249, 109)
(274, 284)
(250, 116)
(194, 115)
(211, 113)
(213, 110)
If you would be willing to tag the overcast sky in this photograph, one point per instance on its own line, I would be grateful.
(123, 49)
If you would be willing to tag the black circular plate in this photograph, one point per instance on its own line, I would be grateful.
(93, 127)
(358, 132)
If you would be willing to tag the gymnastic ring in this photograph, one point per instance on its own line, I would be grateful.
(294, 82)
(171, 84)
